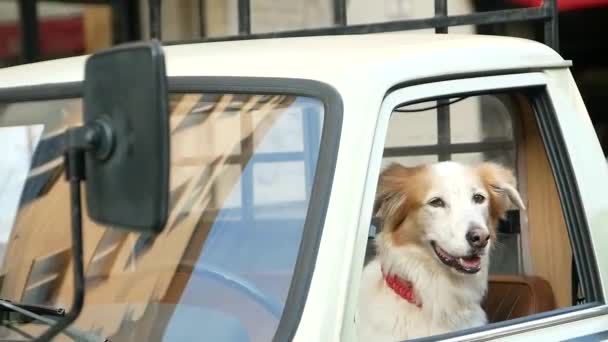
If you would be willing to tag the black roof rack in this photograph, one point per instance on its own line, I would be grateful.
(547, 13)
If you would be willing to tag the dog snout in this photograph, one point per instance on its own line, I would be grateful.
(477, 237)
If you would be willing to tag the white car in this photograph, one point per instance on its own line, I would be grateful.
(276, 148)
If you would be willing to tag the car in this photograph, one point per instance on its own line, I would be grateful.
(276, 145)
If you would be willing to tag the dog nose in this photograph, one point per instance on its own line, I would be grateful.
(477, 237)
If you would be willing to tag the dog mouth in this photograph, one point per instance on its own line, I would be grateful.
(466, 264)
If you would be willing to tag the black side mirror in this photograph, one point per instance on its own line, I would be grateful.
(121, 151)
(127, 177)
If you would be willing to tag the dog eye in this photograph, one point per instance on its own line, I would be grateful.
(477, 198)
(437, 203)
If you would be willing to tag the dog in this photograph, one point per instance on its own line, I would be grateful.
(430, 272)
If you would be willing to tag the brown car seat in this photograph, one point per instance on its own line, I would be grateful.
(514, 296)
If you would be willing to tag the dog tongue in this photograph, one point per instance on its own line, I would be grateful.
(470, 262)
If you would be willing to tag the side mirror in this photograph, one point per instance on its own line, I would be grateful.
(126, 100)
(121, 151)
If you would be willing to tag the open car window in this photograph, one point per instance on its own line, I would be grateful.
(242, 171)
(535, 264)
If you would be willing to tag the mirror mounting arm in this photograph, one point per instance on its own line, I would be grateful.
(96, 138)
(74, 170)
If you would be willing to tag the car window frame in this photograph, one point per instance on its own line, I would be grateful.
(324, 171)
(534, 84)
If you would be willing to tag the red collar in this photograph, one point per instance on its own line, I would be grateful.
(402, 288)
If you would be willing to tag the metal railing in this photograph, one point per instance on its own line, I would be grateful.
(125, 22)
(547, 13)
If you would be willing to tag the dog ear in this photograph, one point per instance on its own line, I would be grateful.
(391, 195)
(501, 184)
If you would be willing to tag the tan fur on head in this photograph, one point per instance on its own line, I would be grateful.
(400, 189)
(501, 185)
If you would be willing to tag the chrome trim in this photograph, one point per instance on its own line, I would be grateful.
(534, 324)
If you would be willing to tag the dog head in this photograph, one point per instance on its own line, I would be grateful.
(448, 210)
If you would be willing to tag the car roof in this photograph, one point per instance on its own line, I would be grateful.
(389, 58)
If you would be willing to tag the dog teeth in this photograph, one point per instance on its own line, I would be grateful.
(471, 263)
(444, 254)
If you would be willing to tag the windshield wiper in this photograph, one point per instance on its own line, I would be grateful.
(6, 310)
(36, 312)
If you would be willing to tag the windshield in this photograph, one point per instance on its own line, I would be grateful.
(242, 170)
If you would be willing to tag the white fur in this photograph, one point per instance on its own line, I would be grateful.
(450, 299)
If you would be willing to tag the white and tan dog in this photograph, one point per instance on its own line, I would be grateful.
(431, 269)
